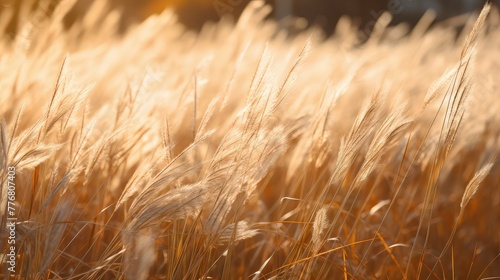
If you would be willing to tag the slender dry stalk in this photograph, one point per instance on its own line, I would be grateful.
(474, 183)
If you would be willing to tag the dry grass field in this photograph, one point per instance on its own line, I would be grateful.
(243, 153)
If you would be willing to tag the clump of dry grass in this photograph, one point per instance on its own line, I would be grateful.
(241, 152)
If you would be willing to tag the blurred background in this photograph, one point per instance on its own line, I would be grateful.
(324, 13)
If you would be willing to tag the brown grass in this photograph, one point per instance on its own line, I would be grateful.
(241, 152)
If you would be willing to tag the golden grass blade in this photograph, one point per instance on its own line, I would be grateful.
(474, 184)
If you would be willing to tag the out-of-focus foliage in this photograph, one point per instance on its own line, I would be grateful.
(324, 13)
